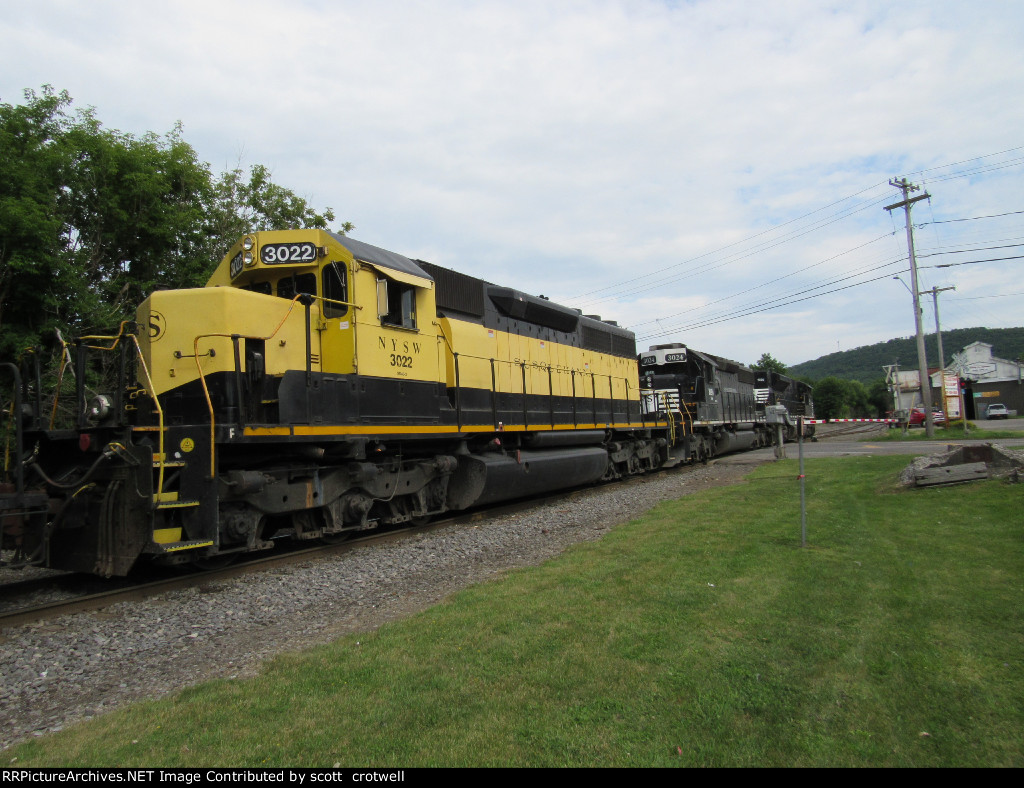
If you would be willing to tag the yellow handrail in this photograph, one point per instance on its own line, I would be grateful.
(64, 363)
(60, 379)
(202, 375)
(159, 413)
(116, 339)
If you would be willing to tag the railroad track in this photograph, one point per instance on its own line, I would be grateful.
(100, 593)
(847, 430)
(125, 590)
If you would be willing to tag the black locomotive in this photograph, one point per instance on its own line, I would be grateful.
(714, 405)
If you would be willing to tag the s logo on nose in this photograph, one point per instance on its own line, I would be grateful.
(157, 325)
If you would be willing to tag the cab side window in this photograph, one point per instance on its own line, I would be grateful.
(335, 288)
(396, 303)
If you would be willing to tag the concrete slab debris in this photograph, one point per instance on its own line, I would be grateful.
(960, 464)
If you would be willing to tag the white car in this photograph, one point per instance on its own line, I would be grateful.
(997, 411)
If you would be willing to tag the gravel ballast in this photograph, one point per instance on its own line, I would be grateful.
(64, 670)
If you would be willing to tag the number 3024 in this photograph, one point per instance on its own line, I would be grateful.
(401, 361)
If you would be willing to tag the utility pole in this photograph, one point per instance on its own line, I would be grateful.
(942, 356)
(938, 331)
(922, 359)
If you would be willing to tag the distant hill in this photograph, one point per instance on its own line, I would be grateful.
(866, 363)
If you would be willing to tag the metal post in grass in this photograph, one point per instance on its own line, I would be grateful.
(803, 497)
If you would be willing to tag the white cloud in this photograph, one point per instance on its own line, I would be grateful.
(562, 148)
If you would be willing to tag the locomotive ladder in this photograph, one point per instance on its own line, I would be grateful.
(670, 416)
(167, 539)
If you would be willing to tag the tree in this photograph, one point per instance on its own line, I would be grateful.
(92, 219)
(247, 204)
(856, 399)
(134, 212)
(880, 397)
(830, 398)
(33, 170)
(769, 363)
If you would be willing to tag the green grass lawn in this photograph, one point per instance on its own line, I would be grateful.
(700, 635)
(954, 434)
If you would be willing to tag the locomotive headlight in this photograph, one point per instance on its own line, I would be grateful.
(248, 243)
(99, 408)
(248, 259)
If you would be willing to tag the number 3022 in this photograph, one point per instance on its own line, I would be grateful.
(401, 361)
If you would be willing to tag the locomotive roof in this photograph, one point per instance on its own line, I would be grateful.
(374, 255)
(707, 357)
(725, 364)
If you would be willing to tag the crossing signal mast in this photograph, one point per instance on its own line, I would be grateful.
(922, 360)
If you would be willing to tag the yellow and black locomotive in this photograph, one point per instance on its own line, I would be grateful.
(317, 385)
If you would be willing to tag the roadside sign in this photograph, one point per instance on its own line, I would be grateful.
(951, 396)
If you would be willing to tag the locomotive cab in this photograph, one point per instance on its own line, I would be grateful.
(294, 304)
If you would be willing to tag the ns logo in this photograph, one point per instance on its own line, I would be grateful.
(157, 326)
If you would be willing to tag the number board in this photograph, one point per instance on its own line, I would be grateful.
(236, 265)
(277, 254)
(673, 357)
(648, 360)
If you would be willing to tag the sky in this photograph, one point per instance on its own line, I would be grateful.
(712, 172)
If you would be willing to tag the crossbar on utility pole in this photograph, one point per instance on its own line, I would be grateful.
(922, 359)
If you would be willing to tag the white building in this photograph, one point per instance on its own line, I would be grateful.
(986, 380)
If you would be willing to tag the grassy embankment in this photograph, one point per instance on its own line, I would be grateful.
(701, 634)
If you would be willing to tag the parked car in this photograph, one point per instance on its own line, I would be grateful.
(917, 417)
(997, 410)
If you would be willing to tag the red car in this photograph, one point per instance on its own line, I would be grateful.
(917, 417)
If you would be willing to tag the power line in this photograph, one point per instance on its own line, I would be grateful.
(671, 274)
(781, 301)
(714, 265)
(975, 262)
(710, 266)
(979, 170)
(778, 279)
(977, 249)
(756, 311)
(635, 287)
(972, 218)
(965, 161)
(993, 240)
(759, 306)
(738, 311)
(978, 298)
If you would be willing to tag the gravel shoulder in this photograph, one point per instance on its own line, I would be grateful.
(73, 668)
